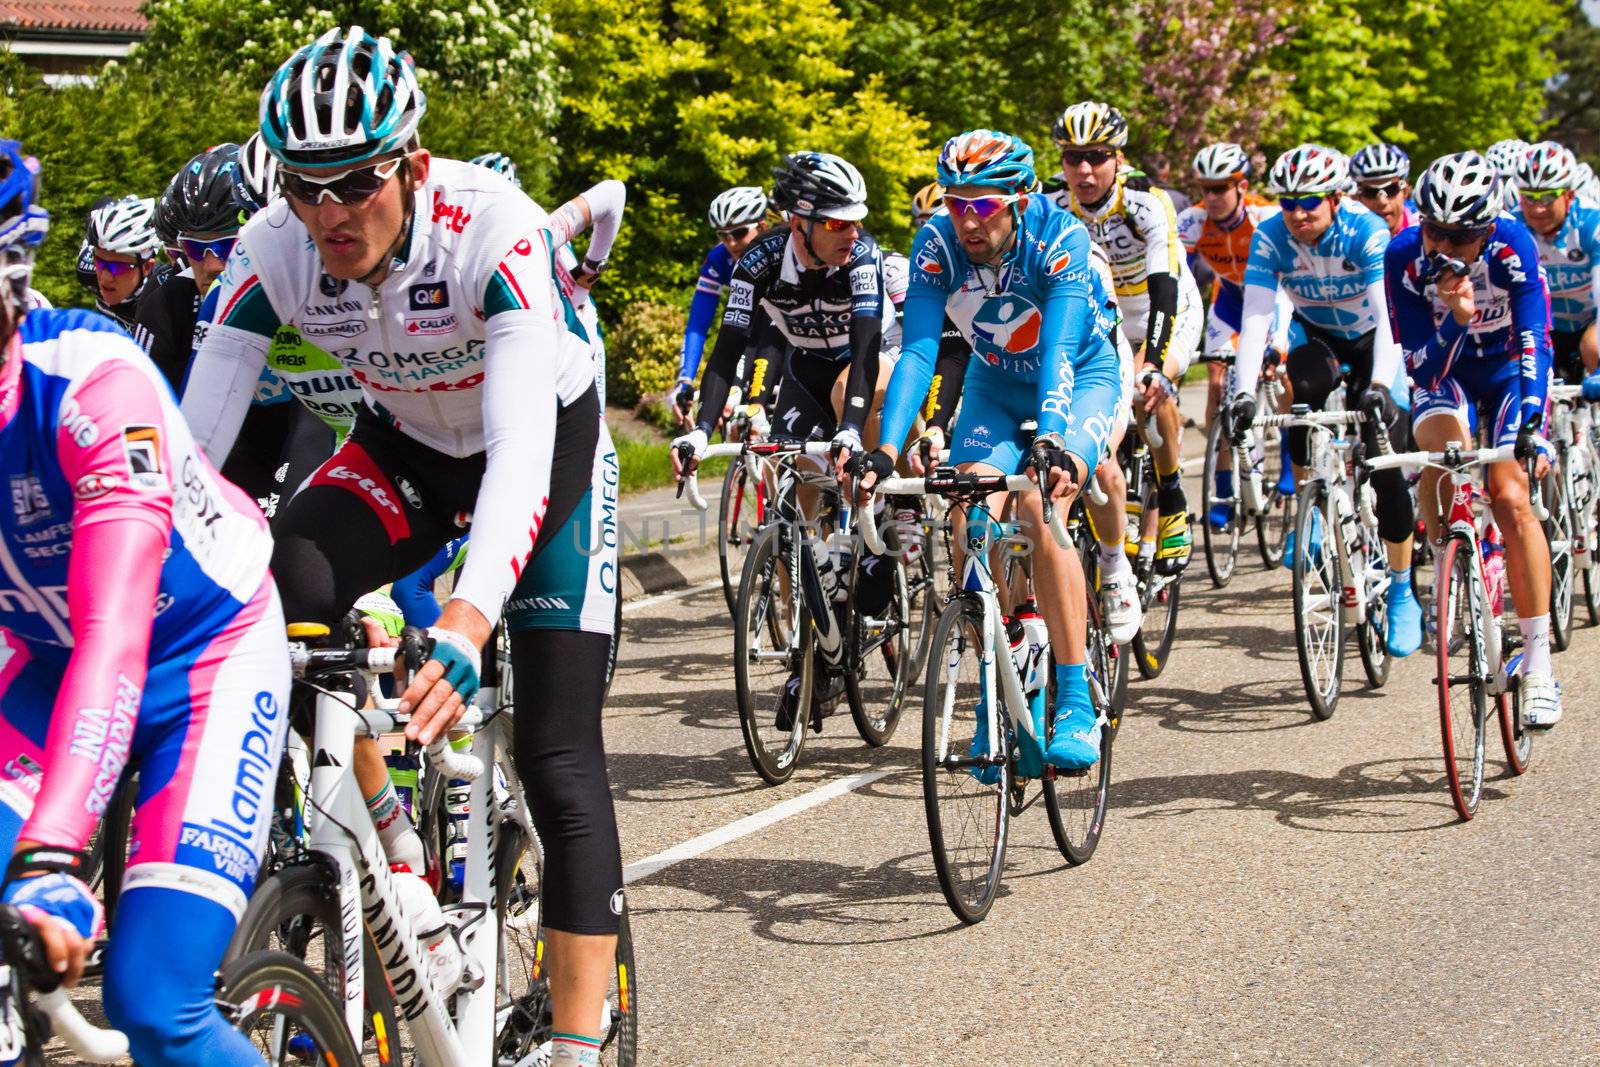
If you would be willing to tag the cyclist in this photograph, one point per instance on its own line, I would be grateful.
(739, 216)
(434, 282)
(1470, 309)
(1505, 157)
(1328, 255)
(1567, 234)
(1382, 173)
(1012, 271)
(122, 240)
(1162, 314)
(117, 511)
(1217, 232)
(924, 202)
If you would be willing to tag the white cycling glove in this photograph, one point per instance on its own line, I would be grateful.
(847, 439)
(695, 439)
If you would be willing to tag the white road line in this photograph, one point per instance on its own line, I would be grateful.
(631, 606)
(699, 846)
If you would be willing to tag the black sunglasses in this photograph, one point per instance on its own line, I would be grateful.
(1453, 235)
(1072, 157)
(1372, 192)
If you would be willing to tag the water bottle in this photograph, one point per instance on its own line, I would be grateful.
(403, 773)
(435, 936)
(843, 560)
(457, 807)
(1018, 637)
(1494, 569)
(827, 576)
(1038, 640)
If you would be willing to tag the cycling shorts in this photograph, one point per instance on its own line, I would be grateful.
(1494, 385)
(994, 405)
(804, 408)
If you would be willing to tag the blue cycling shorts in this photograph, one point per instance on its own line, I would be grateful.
(994, 405)
(1494, 385)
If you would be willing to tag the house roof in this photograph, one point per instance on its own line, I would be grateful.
(95, 16)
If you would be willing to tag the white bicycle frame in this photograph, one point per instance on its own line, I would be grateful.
(1572, 423)
(448, 1030)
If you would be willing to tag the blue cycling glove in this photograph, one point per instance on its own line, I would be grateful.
(459, 658)
(63, 898)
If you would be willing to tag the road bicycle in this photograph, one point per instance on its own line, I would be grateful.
(1159, 594)
(1569, 502)
(1256, 500)
(1341, 570)
(1477, 661)
(986, 666)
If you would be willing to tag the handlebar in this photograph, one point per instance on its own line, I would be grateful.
(1326, 419)
(454, 764)
(1568, 393)
(1453, 458)
(20, 943)
(691, 480)
(948, 482)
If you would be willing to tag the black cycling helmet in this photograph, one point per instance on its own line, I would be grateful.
(202, 197)
(819, 185)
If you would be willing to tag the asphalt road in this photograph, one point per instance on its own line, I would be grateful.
(1269, 889)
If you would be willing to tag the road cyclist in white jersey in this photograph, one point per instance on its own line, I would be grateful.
(437, 284)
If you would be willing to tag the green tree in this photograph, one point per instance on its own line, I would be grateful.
(1573, 104)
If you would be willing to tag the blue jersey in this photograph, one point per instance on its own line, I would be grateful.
(708, 290)
(1328, 282)
(1511, 322)
(1039, 320)
(1569, 257)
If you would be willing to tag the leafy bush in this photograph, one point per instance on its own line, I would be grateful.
(642, 352)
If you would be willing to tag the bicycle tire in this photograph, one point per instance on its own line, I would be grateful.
(1321, 654)
(275, 984)
(1222, 546)
(970, 898)
(1516, 739)
(292, 895)
(759, 590)
(1275, 522)
(735, 530)
(109, 848)
(1076, 802)
(1462, 656)
(1558, 534)
(894, 654)
(1372, 632)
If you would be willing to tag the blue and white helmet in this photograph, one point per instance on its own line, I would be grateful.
(743, 205)
(126, 226)
(23, 223)
(1506, 155)
(345, 98)
(1460, 189)
(1309, 169)
(501, 164)
(987, 157)
(1586, 184)
(1381, 162)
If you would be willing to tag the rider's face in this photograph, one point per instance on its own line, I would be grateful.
(983, 239)
(117, 284)
(354, 238)
(1221, 199)
(1388, 199)
(1308, 225)
(1091, 181)
(1546, 213)
(738, 238)
(832, 246)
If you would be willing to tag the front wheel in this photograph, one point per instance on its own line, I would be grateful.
(1318, 599)
(1222, 543)
(881, 649)
(1558, 530)
(740, 513)
(1367, 573)
(1462, 674)
(284, 1010)
(772, 656)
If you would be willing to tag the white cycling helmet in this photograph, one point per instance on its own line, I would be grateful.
(1586, 184)
(1309, 169)
(1547, 165)
(1506, 155)
(1381, 162)
(1460, 189)
(126, 226)
(743, 205)
(256, 180)
(819, 185)
(1221, 161)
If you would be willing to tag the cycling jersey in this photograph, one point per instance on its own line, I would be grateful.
(1225, 246)
(1335, 285)
(708, 290)
(1040, 331)
(1510, 324)
(1569, 257)
(835, 315)
(471, 295)
(164, 325)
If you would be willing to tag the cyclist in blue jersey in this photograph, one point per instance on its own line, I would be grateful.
(1470, 309)
(1328, 255)
(1012, 271)
(1567, 234)
(739, 216)
(1382, 173)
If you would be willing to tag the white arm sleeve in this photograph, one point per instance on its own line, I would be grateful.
(606, 201)
(1385, 348)
(221, 384)
(519, 426)
(1281, 321)
(1254, 324)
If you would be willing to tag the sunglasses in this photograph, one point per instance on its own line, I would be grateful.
(1072, 157)
(350, 187)
(1450, 235)
(113, 267)
(195, 251)
(1537, 195)
(735, 233)
(1216, 190)
(1302, 203)
(982, 206)
(836, 225)
(1373, 192)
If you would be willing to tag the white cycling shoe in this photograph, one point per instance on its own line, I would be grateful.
(1119, 596)
(1540, 697)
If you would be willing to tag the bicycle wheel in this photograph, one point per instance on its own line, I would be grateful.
(1369, 570)
(1463, 688)
(108, 849)
(740, 512)
(1076, 801)
(1588, 522)
(881, 656)
(1558, 532)
(772, 643)
(285, 1010)
(1277, 517)
(1222, 546)
(295, 911)
(1318, 599)
(968, 819)
(1516, 738)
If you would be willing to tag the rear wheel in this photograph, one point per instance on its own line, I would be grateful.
(1367, 573)
(1558, 532)
(1076, 801)
(739, 514)
(772, 644)
(285, 1011)
(882, 654)
(1461, 679)
(1318, 599)
(1222, 544)
(1277, 517)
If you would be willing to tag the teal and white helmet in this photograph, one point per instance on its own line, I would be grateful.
(341, 100)
(501, 164)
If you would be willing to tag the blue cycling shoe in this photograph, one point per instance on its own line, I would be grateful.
(1405, 620)
(1220, 515)
(1316, 544)
(987, 773)
(1030, 750)
(1075, 746)
(1286, 481)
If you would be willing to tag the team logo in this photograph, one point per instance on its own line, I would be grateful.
(430, 297)
(347, 328)
(141, 448)
(1060, 262)
(1006, 326)
(94, 486)
(418, 325)
(28, 500)
(331, 286)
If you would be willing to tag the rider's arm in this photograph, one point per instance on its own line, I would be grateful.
(222, 379)
(1068, 331)
(519, 416)
(744, 296)
(1530, 326)
(703, 310)
(1386, 357)
(1429, 350)
(414, 592)
(949, 371)
(119, 538)
(866, 340)
(1255, 320)
(597, 209)
(919, 335)
(1162, 264)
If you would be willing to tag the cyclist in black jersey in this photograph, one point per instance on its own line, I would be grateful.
(122, 244)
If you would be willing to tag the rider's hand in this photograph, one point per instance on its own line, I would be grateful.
(1155, 387)
(759, 424)
(1241, 413)
(846, 443)
(441, 691)
(67, 915)
(869, 468)
(696, 441)
(683, 402)
(1531, 446)
(1455, 290)
(1057, 463)
(931, 445)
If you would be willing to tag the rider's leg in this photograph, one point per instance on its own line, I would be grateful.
(1397, 526)
(1119, 590)
(1589, 348)
(1434, 429)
